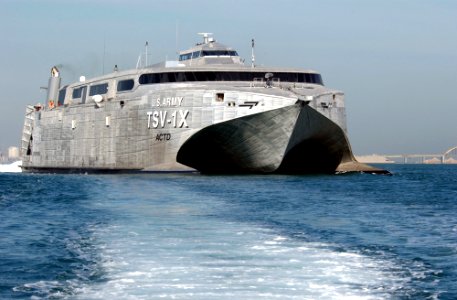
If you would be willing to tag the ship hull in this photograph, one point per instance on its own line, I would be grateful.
(211, 128)
(293, 139)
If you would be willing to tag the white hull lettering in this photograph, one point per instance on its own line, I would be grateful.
(149, 113)
(163, 116)
(169, 101)
(182, 122)
(170, 119)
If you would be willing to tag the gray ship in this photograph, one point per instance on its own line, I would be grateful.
(206, 112)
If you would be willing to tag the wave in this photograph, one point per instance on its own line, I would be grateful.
(14, 167)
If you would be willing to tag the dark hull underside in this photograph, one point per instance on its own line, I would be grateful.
(290, 140)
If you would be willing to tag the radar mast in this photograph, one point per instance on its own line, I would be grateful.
(206, 37)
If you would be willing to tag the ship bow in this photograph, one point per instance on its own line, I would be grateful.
(291, 140)
(250, 144)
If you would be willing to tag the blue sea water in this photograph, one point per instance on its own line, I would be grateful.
(189, 236)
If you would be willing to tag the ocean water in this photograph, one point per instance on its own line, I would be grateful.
(189, 236)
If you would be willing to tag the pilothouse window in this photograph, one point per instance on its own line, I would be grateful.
(197, 54)
(185, 56)
(219, 53)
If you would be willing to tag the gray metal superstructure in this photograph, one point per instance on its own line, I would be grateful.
(207, 112)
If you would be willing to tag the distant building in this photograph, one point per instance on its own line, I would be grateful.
(450, 161)
(433, 161)
(13, 153)
(374, 159)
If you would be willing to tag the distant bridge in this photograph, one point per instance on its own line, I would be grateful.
(450, 156)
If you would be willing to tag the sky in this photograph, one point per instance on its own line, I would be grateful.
(395, 60)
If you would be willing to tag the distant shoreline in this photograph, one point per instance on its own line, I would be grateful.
(405, 159)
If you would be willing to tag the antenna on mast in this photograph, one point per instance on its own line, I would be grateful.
(252, 55)
(146, 54)
(177, 32)
(104, 54)
(140, 63)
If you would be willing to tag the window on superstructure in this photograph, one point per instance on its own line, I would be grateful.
(197, 54)
(219, 53)
(77, 93)
(125, 85)
(98, 89)
(62, 94)
(168, 77)
(219, 97)
(185, 56)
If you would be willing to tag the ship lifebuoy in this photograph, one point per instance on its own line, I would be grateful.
(51, 104)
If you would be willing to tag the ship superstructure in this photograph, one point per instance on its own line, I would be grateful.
(206, 112)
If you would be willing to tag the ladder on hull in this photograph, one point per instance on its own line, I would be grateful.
(26, 142)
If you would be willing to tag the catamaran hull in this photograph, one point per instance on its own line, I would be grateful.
(292, 139)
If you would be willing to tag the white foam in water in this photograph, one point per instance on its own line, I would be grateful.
(11, 168)
(223, 260)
